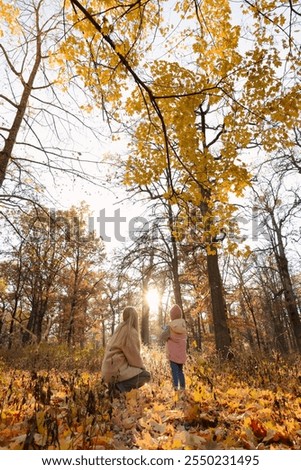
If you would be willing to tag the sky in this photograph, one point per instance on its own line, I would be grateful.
(112, 214)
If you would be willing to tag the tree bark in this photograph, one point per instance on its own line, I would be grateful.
(175, 262)
(221, 330)
(6, 152)
(289, 296)
(146, 276)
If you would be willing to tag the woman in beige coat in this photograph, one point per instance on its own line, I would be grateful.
(122, 366)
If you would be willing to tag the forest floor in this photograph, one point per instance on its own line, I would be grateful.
(244, 404)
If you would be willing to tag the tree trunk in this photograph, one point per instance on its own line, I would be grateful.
(145, 324)
(145, 309)
(246, 302)
(40, 317)
(221, 330)
(6, 152)
(103, 324)
(290, 300)
(175, 262)
(11, 327)
(28, 334)
(289, 296)
(74, 299)
(199, 337)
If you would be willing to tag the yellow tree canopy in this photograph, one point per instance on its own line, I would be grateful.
(194, 88)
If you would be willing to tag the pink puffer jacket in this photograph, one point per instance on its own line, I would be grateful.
(176, 343)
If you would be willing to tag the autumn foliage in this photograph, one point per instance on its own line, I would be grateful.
(201, 102)
(249, 403)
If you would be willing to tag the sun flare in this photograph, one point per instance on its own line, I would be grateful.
(153, 298)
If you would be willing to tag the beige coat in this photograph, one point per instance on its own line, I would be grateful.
(122, 359)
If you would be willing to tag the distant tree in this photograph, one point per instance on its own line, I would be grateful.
(82, 277)
(277, 208)
(52, 272)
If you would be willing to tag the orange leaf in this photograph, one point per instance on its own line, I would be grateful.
(258, 429)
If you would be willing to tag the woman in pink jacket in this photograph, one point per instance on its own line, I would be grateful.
(175, 335)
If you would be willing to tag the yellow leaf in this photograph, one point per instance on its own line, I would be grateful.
(40, 418)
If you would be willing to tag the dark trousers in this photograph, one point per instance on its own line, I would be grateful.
(178, 377)
(134, 382)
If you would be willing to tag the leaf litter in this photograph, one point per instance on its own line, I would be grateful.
(222, 408)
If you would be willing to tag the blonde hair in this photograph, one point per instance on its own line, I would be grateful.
(130, 316)
(124, 329)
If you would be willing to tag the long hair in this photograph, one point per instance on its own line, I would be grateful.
(130, 316)
(130, 320)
